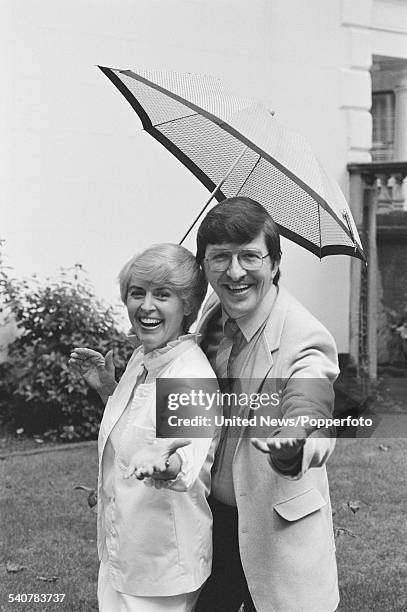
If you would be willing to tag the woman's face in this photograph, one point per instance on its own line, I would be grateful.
(156, 313)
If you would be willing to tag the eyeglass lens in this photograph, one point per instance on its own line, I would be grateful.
(248, 259)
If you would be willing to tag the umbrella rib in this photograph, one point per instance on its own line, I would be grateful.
(249, 175)
(217, 189)
(174, 120)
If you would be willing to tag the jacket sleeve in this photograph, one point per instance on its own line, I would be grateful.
(199, 455)
(310, 371)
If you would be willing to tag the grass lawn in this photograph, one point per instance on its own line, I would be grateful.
(373, 565)
(48, 528)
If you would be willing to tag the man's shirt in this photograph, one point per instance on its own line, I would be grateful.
(251, 327)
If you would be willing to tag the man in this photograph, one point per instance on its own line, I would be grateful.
(273, 540)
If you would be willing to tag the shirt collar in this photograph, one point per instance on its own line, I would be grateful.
(161, 357)
(251, 323)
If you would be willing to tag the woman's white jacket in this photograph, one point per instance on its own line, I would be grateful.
(156, 542)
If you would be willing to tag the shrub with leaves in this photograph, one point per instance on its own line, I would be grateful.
(38, 391)
(396, 336)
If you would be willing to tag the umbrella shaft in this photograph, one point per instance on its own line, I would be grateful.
(218, 186)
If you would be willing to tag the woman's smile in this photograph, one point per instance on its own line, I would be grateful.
(149, 322)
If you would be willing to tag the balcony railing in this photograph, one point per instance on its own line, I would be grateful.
(375, 188)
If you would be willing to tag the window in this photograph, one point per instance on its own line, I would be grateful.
(383, 112)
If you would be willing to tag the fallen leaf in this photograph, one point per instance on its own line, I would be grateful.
(92, 497)
(383, 447)
(343, 531)
(38, 440)
(83, 488)
(47, 578)
(13, 568)
(19, 431)
(354, 505)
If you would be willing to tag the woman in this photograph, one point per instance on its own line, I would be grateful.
(154, 541)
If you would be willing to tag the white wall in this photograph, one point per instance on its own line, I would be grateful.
(308, 53)
(80, 182)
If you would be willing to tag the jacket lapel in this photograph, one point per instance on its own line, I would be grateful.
(260, 359)
(275, 322)
(119, 400)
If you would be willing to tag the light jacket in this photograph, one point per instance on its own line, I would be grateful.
(155, 541)
(285, 524)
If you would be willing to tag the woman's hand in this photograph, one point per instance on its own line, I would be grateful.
(156, 459)
(98, 371)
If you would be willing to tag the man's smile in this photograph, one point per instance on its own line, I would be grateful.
(238, 288)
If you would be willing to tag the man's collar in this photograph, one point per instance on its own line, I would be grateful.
(251, 323)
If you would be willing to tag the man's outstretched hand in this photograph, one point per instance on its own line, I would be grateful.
(285, 446)
(156, 459)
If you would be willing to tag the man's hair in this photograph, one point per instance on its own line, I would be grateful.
(170, 265)
(238, 220)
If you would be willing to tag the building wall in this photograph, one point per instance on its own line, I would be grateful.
(82, 183)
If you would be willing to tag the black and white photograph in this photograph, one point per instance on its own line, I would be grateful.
(203, 305)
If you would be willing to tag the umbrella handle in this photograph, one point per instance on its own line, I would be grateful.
(218, 186)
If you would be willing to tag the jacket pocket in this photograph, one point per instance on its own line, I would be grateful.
(301, 505)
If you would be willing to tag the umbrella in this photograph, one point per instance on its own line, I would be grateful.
(235, 146)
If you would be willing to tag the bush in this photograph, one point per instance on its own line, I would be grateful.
(38, 391)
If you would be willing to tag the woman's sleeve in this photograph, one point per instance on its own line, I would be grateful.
(204, 406)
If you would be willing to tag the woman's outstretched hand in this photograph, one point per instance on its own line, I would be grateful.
(98, 371)
(156, 459)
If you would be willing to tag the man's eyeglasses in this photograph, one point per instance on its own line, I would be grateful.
(248, 259)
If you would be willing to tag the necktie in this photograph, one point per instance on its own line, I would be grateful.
(228, 349)
(226, 355)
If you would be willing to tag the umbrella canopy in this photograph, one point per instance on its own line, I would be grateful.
(237, 145)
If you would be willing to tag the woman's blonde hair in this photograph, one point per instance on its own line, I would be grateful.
(169, 265)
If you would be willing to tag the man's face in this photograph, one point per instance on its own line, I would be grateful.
(240, 291)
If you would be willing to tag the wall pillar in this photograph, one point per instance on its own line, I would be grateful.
(372, 271)
(400, 126)
(356, 87)
(357, 206)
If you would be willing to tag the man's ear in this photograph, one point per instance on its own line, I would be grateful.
(274, 268)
